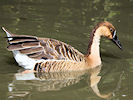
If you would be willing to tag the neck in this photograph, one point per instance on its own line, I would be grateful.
(93, 54)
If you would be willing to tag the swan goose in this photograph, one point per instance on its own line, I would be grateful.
(50, 55)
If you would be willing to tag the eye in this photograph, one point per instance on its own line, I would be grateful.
(111, 30)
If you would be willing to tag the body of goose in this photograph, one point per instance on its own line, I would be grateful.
(50, 55)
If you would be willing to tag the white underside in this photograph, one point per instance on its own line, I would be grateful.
(27, 62)
(24, 60)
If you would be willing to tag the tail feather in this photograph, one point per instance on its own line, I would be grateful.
(9, 34)
(19, 39)
(22, 46)
(22, 40)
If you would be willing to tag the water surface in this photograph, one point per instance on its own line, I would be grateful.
(70, 21)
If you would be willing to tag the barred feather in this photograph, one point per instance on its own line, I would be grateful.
(45, 49)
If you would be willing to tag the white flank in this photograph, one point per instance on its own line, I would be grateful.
(24, 61)
(29, 63)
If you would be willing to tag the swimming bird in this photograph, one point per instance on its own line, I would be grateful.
(50, 55)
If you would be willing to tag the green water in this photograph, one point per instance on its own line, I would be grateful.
(70, 21)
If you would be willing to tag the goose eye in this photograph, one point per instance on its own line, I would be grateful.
(111, 30)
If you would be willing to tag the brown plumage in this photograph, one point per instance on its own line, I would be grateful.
(50, 55)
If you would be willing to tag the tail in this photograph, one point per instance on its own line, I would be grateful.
(9, 34)
(18, 43)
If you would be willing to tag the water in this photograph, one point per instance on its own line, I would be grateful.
(70, 21)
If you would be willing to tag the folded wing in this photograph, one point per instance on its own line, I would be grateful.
(42, 48)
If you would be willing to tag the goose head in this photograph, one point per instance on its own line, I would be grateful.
(106, 29)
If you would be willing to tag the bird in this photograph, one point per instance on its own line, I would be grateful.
(51, 55)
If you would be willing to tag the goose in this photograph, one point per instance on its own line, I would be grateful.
(50, 55)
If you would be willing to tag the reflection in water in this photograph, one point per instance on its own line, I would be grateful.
(94, 80)
(25, 84)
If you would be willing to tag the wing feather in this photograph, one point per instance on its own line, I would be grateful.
(42, 48)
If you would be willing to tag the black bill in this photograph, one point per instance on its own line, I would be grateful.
(116, 40)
